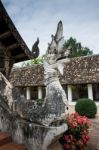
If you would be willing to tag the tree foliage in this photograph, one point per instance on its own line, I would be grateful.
(76, 48)
(28, 63)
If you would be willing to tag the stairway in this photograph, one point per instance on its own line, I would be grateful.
(7, 144)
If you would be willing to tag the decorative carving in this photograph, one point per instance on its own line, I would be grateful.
(35, 49)
(55, 49)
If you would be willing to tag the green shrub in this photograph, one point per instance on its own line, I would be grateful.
(86, 107)
(40, 101)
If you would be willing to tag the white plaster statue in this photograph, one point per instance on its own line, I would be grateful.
(55, 58)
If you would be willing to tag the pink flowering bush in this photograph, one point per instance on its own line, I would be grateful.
(76, 137)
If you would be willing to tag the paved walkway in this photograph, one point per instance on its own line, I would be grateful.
(94, 135)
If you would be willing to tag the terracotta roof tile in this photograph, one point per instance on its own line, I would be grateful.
(77, 71)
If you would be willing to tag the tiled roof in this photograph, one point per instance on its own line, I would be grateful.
(78, 71)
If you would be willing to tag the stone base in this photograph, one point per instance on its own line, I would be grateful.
(35, 137)
(37, 128)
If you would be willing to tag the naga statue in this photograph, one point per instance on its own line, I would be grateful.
(55, 106)
(55, 58)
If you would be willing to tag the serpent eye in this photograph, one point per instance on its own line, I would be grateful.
(55, 51)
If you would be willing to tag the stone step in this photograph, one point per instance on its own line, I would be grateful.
(13, 146)
(6, 143)
(5, 138)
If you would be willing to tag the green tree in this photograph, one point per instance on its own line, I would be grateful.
(38, 60)
(76, 48)
(28, 63)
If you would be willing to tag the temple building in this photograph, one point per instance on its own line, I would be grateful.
(80, 80)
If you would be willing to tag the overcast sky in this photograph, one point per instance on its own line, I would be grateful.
(39, 18)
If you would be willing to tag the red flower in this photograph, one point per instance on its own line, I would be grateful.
(85, 138)
(66, 146)
(79, 120)
(77, 135)
(68, 138)
(80, 143)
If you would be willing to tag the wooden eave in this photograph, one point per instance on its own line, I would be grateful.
(11, 39)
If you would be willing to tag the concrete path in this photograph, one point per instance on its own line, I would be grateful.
(94, 135)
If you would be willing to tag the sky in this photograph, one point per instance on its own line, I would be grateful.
(39, 18)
